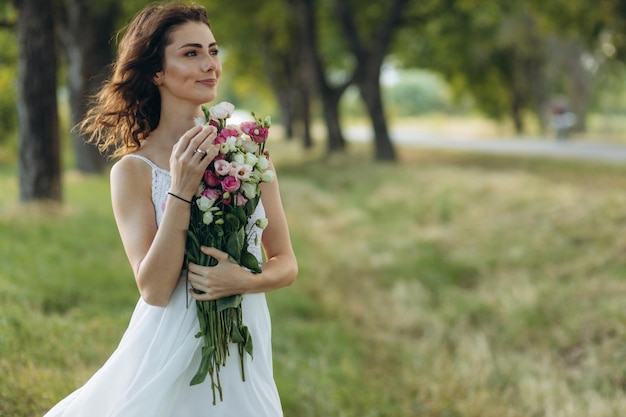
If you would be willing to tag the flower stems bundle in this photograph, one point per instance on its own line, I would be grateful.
(227, 197)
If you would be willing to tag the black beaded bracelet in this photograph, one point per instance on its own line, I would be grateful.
(179, 197)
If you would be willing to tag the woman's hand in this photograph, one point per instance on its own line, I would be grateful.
(224, 279)
(190, 157)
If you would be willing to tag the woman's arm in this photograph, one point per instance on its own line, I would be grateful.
(156, 254)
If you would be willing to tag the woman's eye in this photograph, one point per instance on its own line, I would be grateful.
(214, 51)
(191, 53)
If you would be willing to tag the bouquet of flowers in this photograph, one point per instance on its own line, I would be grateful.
(228, 195)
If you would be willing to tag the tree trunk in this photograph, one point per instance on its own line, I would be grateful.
(286, 110)
(516, 112)
(330, 103)
(369, 62)
(370, 92)
(86, 38)
(39, 149)
(305, 117)
(330, 95)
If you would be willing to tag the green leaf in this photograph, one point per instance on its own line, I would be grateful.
(251, 205)
(234, 244)
(193, 247)
(232, 221)
(248, 343)
(241, 215)
(205, 365)
(236, 335)
(232, 301)
(249, 261)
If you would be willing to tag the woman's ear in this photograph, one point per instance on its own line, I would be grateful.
(158, 78)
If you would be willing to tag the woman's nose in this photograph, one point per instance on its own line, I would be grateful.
(208, 64)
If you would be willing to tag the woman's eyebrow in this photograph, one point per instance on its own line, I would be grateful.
(197, 45)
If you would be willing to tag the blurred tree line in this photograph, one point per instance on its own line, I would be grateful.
(512, 57)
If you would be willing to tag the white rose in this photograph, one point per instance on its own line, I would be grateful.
(263, 163)
(268, 176)
(248, 189)
(262, 223)
(255, 177)
(239, 158)
(243, 172)
(250, 159)
(231, 144)
(204, 204)
(222, 110)
(207, 217)
(249, 146)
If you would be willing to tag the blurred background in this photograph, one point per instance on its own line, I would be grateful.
(471, 68)
(432, 283)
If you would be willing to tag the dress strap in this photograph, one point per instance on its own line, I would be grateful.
(146, 160)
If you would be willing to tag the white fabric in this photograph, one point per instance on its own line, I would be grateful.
(148, 374)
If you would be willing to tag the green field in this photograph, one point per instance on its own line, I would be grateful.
(447, 285)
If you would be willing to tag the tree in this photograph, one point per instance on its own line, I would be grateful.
(39, 148)
(490, 49)
(318, 46)
(369, 48)
(86, 35)
(276, 52)
(330, 94)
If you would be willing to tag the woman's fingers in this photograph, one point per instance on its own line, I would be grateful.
(207, 280)
(201, 141)
(183, 143)
(214, 252)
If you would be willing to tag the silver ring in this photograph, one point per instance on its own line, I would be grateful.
(200, 151)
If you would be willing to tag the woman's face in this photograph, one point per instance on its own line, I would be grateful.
(191, 66)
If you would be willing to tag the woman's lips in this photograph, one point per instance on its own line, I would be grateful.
(210, 82)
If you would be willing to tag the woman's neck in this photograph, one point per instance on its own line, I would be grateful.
(174, 123)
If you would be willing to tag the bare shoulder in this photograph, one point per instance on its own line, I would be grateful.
(130, 174)
(128, 168)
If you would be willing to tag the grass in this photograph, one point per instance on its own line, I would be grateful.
(447, 285)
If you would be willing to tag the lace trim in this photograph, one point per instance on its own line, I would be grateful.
(161, 181)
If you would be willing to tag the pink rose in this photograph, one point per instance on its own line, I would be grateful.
(257, 133)
(222, 167)
(240, 200)
(230, 184)
(211, 193)
(211, 179)
(226, 132)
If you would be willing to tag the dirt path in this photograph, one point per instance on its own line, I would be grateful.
(585, 150)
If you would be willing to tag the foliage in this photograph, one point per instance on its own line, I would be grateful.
(8, 74)
(518, 58)
(494, 287)
(417, 92)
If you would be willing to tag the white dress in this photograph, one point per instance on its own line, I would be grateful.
(148, 375)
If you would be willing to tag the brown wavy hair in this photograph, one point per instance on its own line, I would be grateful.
(128, 106)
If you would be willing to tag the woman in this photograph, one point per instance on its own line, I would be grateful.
(167, 67)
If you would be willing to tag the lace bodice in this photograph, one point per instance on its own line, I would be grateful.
(161, 181)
